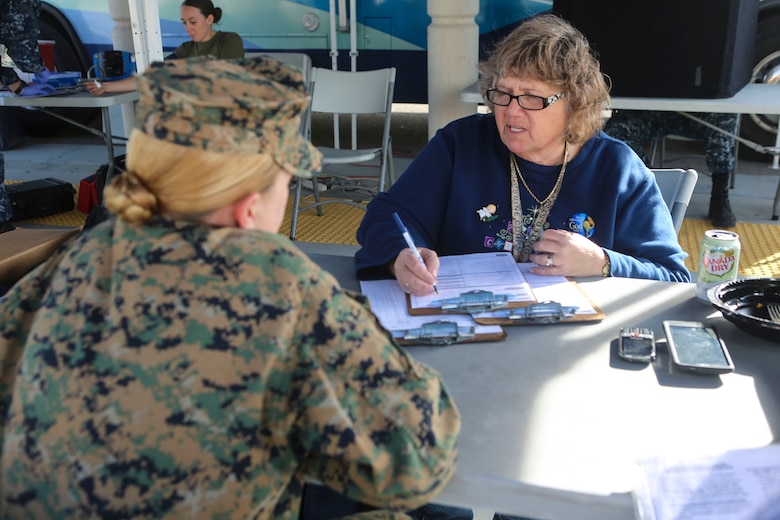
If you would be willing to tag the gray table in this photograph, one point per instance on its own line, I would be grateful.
(79, 100)
(554, 421)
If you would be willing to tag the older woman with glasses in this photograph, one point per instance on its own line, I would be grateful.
(536, 177)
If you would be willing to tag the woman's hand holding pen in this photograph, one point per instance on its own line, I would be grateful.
(414, 277)
(563, 253)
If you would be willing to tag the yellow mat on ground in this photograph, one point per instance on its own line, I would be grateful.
(760, 242)
(760, 255)
(337, 225)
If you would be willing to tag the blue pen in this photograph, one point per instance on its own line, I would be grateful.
(410, 243)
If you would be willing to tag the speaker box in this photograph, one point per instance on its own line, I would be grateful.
(669, 48)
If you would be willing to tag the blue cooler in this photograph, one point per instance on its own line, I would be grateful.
(64, 79)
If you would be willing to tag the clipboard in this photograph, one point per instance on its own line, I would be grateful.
(545, 312)
(443, 332)
(475, 282)
(388, 302)
(495, 290)
(469, 302)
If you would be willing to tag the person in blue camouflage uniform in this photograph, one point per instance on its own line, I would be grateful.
(184, 359)
(636, 127)
(19, 35)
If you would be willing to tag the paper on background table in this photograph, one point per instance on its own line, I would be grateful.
(735, 485)
(496, 272)
(388, 302)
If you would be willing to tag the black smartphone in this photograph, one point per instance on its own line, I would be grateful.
(697, 347)
(636, 344)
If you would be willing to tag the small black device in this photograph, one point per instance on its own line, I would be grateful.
(113, 65)
(697, 347)
(636, 344)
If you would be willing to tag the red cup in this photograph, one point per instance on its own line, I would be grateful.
(47, 53)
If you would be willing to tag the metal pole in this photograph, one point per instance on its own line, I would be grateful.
(122, 38)
(353, 53)
(147, 38)
(334, 53)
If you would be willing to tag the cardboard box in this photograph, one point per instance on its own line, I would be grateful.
(24, 248)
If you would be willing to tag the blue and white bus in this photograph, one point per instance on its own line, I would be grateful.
(388, 33)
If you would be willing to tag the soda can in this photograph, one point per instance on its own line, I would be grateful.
(718, 260)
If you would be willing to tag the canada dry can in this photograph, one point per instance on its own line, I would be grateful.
(718, 260)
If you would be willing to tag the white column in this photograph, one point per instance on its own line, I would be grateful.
(122, 37)
(453, 54)
(147, 36)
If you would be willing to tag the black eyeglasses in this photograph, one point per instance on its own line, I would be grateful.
(527, 101)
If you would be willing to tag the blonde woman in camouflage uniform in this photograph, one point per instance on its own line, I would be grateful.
(185, 360)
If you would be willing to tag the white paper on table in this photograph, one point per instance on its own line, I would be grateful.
(388, 302)
(735, 485)
(548, 288)
(558, 289)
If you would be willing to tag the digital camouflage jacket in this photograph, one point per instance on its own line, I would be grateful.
(178, 370)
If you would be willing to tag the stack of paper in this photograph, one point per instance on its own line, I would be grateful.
(513, 285)
(735, 485)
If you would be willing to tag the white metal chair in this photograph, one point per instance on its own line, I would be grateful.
(676, 187)
(345, 92)
(298, 59)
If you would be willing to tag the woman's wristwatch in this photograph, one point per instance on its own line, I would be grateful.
(22, 84)
(607, 269)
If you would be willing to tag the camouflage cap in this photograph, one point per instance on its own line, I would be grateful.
(245, 106)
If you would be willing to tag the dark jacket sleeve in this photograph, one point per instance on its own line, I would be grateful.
(420, 197)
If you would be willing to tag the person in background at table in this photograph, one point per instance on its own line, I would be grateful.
(19, 33)
(636, 127)
(535, 177)
(198, 17)
(184, 359)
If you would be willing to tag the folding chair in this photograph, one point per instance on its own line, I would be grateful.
(676, 187)
(345, 92)
(298, 59)
(303, 63)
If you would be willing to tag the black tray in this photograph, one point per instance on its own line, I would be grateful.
(744, 303)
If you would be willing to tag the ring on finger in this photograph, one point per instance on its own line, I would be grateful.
(406, 288)
(549, 261)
